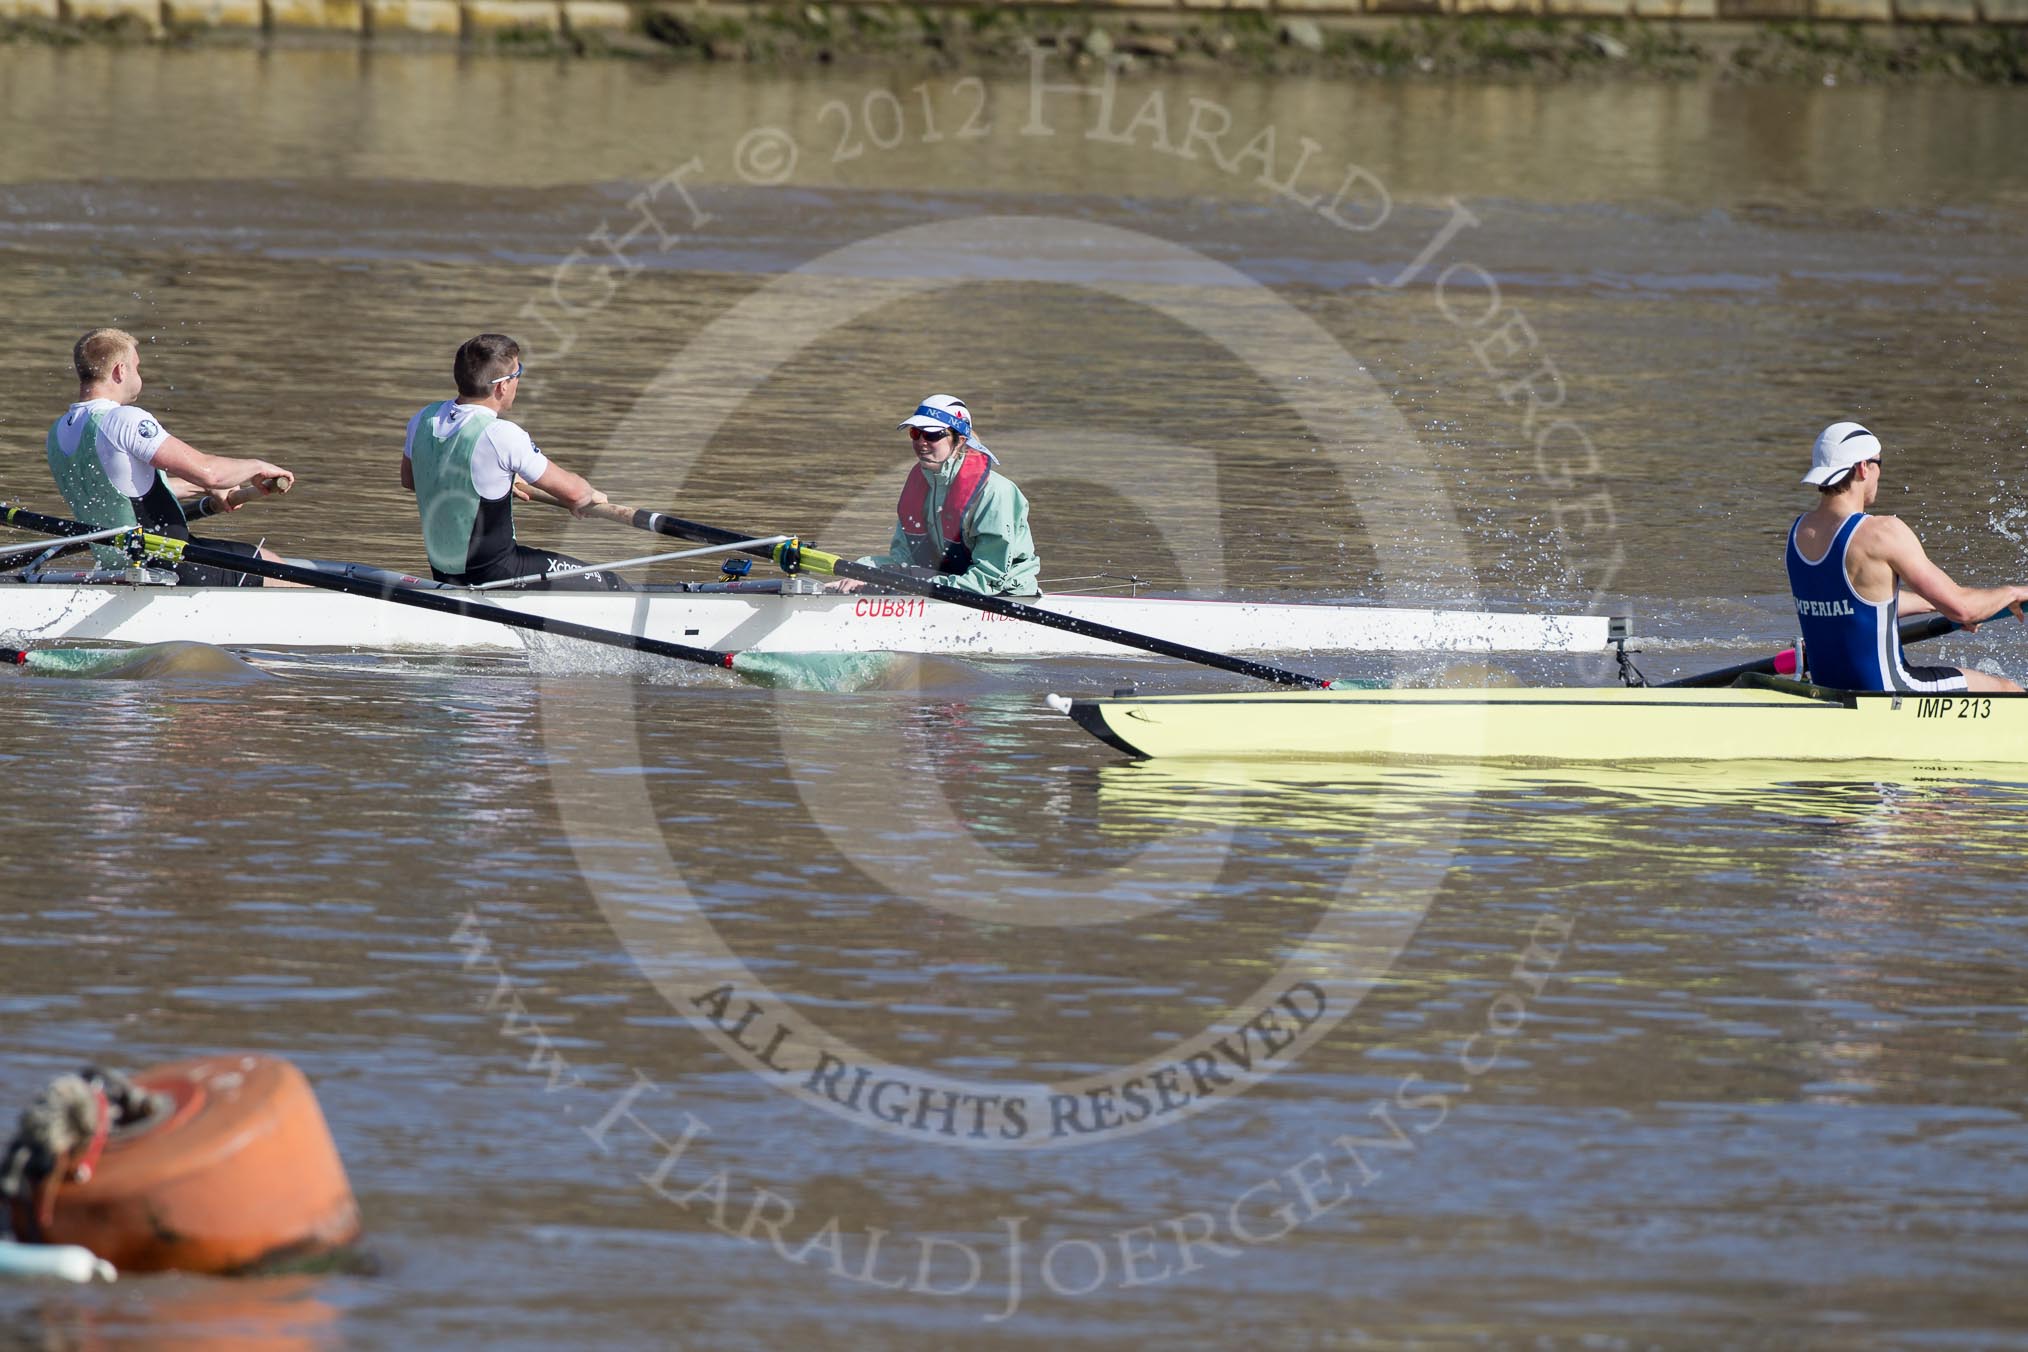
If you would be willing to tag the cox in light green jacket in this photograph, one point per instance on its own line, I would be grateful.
(995, 530)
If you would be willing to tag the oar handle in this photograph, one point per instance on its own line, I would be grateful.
(795, 557)
(239, 497)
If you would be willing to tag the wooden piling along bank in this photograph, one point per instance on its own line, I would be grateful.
(713, 28)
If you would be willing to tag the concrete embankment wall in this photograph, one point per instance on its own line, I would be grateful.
(367, 18)
(480, 18)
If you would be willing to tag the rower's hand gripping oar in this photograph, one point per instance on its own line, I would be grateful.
(443, 602)
(253, 491)
(794, 556)
(1915, 630)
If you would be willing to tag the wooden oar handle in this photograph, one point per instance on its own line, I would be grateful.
(257, 489)
(241, 496)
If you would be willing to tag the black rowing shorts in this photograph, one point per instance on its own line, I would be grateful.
(526, 559)
(1937, 680)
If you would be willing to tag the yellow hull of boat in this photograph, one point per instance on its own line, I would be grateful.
(1567, 726)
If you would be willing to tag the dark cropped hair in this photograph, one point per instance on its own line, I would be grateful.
(483, 360)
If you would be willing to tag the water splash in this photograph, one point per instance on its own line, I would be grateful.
(834, 672)
(2012, 524)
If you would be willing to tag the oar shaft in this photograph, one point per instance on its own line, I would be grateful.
(443, 602)
(1783, 663)
(23, 519)
(451, 603)
(643, 560)
(817, 561)
(35, 546)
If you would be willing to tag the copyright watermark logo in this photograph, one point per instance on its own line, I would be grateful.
(1298, 989)
(642, 887)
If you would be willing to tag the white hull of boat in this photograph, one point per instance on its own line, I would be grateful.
(272, 617)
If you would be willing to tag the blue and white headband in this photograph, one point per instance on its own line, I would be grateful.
(961, 426)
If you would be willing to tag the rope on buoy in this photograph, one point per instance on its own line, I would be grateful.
(60, 1138)
(217, 1164)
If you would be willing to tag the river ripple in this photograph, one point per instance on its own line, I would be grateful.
(1674, 1057)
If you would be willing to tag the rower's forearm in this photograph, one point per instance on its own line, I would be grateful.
(566, 489)
(1970, 605)
(222, 475)
(1982, 603)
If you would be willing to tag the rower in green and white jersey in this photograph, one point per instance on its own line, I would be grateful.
(466, 464)
(118, 466)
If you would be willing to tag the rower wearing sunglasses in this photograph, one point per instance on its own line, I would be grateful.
(466, 465)
(959, 519)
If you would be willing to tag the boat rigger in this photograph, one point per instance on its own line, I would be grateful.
(1767, 719)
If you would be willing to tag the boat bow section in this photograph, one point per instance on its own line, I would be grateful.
(1090, 714)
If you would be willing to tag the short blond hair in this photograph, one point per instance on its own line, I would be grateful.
(98, 350)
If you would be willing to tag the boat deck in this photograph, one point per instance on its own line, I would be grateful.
(758, 621)
(1770, 720)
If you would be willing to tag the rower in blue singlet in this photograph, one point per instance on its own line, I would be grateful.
(1847, 571)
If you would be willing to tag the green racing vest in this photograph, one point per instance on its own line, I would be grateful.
(462, 532)
(94, 499)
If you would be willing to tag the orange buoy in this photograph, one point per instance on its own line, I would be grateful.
(236, 1168)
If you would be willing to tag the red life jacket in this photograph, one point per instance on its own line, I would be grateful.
(947, 553)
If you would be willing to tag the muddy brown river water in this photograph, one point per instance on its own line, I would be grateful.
(1630, 1058)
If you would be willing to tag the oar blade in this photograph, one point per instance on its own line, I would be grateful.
(836, 672)
(153, 661)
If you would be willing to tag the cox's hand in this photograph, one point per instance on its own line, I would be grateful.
(844, 584)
